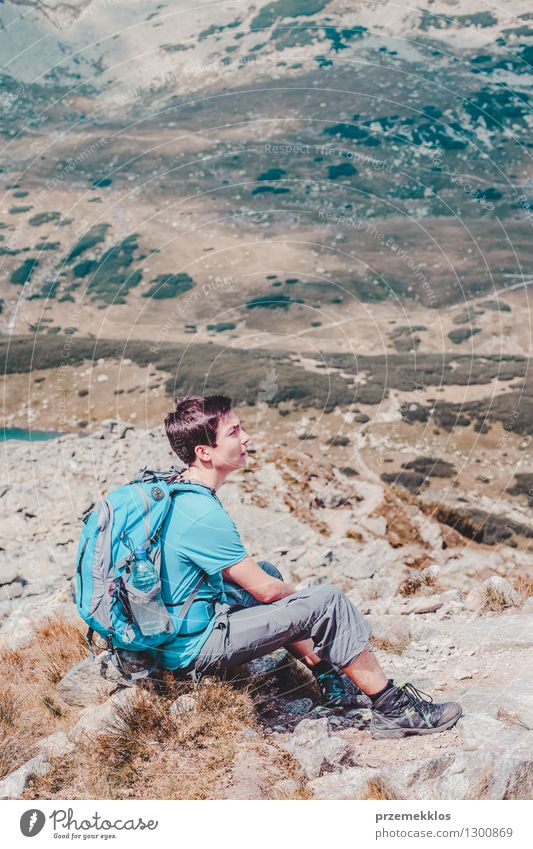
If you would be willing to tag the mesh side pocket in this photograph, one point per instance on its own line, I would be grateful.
(148, 611)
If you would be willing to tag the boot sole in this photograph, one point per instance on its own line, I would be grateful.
(396, 733)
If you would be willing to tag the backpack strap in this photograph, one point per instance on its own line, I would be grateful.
(185, 607)
(116, 659)
(181, 481)
(146, 475)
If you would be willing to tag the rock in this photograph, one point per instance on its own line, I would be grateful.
(354, 562)
(9, 568)
(298, 706)
(285, 789)
(461, 674)
(252, 775)
(508, 630)
(506, 736)
(250, 734)
(13, 785)
(10, 591)
(429, 530)
(498, 593)
(55, 745)
(90, 682)
(351, 783)
(181, 705)
(19, 627)
(314, 747)
(375, 524)
(266, 665)
(98, 719)
(460, 775)
(427, 604)
(356, 569)
(392, 632)
(513, 706)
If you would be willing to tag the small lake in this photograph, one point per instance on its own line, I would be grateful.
(27, 435)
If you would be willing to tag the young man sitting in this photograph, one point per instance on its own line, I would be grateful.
(245, 610)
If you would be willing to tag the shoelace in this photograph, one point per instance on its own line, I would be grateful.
(407, 696)
(414, 696)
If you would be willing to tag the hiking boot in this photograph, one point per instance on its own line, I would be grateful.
(402, 712)
(335, 693)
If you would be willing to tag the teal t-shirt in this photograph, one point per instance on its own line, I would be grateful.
(199, 537)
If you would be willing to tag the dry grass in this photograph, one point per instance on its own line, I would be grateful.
(512, 718)
(410, 586)
(148, 754)
(393, 646)
(401, 530)
(495, 600)
(291, 769)
(413, 585)
(351, 533)
(28, 706)
(377, 789)
(523, 584)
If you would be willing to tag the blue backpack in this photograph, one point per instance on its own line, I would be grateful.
(129, 518)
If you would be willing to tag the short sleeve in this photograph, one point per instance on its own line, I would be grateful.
(213, 542)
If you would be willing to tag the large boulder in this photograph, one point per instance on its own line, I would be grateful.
(315, 747)
(19, 627)
(98, 719)
(14, 784)
(351, 783)
(90, 682)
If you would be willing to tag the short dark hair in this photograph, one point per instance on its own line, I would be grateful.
(195, 422)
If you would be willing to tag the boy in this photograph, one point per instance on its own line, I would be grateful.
(244, 609)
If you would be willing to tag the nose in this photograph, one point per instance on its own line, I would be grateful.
(245, 438)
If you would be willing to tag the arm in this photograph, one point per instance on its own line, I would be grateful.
(249, 575)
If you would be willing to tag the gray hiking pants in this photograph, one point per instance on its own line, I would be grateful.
(246, 629)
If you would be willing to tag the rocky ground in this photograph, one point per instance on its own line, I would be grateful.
(448, 614)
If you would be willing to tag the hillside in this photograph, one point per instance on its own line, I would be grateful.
(323, 210)
(451, 615)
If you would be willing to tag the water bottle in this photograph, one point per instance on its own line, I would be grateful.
(144, 575)
(148, 610)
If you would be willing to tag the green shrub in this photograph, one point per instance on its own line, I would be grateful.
(92, 237)
(44, 218)
(272, 302)
(169, 286)
(222, 326)
(461, 334)
(24, 272)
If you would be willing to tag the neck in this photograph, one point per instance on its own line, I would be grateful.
(210, 477)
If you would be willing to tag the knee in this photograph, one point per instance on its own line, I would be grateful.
(270, 569)
(331, 592)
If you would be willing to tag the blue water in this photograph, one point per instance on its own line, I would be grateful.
(27, 435)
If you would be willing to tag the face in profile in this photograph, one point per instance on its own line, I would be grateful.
(230, 451)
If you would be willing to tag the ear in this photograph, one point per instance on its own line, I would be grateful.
(202, 452)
